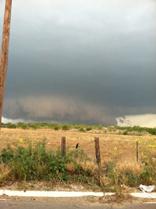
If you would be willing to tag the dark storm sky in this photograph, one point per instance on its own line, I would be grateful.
(81, 60)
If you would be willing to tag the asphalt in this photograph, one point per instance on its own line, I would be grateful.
(72, 203)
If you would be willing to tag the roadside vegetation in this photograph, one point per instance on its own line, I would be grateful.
(37, 163)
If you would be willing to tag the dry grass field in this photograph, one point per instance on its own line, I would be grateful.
(120, 168)
(113, 146)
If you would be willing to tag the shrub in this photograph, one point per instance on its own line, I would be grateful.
(56, 128)
(65, 127)
(10, 125)
(6, 155)
(37, 163)
(88, 128)
(23, 125)
(148, 175)
(131, 174)
(82, 130)
(4, 173)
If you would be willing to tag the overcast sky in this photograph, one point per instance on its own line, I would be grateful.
(81, 60)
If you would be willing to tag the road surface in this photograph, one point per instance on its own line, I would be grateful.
(55, 203)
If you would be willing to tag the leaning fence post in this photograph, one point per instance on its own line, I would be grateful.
(137, 151)
(98, 157)
(63, 146)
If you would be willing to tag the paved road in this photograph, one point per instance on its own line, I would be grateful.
(66, 204)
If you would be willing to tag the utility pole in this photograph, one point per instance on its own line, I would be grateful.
(4, 52)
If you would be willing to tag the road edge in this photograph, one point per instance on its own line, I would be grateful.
(70, 194)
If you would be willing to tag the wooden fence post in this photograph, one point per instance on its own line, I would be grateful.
(63, 146)
(137, 151)
(98, 158)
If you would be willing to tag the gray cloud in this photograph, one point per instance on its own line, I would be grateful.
(100, 53)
